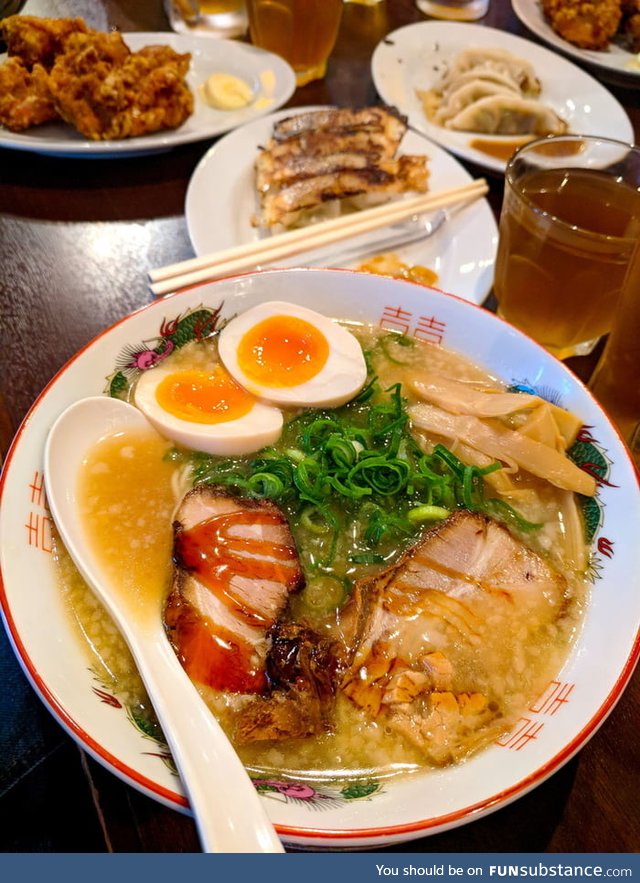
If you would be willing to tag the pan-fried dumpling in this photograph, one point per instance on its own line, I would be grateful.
(519, 69)
(508, 115)
(457, 99)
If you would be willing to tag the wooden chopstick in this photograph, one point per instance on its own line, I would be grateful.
(184, 274)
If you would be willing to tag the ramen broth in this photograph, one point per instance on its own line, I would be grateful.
(130, 489)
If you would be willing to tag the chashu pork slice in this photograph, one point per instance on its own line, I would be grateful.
(432, 633)
(235, 567)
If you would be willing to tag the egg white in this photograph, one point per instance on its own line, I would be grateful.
(257, 428)
(338, 381)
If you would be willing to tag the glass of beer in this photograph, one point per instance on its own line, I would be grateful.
(303, 32)
(616, 381)
(223, 18)
(570, 220)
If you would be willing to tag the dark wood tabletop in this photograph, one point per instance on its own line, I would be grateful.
(76, 240)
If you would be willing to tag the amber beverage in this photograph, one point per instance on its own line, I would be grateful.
(616, 381)
(568, 227)
(303, 32)
(222, 18)
(216, 7)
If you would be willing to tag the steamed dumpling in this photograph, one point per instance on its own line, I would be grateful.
(492, 92)
(485, 71)
(456, 100)
(508, 115)
(518, 69)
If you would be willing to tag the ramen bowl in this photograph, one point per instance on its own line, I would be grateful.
(362, 814)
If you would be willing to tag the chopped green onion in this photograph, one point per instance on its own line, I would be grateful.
(323, 594)
(501, 510)
(314, 520)
(265, 485)
(356, 477)
(427, 513)
(367, 558)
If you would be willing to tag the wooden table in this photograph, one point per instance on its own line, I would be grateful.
(76, 240)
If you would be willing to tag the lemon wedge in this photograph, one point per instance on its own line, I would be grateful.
(226, 92)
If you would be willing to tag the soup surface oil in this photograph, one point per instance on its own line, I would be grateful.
(127, 497)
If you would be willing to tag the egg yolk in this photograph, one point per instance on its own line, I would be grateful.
(282, 351)
(203, 396)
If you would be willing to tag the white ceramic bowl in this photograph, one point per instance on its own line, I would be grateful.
(550, 732)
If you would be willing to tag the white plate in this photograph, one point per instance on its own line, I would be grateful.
(271, 78)
(615, 58)
(331, 815)
(221, 200)
(412, 58)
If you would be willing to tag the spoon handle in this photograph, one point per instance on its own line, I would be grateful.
(228, 811)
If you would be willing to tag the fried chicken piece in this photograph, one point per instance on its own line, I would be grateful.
(588, 24)
(108, 92)
(36, 40)
(631, 24)
(632, 32)
(24, 96)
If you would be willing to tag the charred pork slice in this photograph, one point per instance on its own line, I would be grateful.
(433, 632)
(302, 668)
(235, 566)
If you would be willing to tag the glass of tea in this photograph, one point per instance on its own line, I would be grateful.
(570, 220)
(303, 32)
(616, 382)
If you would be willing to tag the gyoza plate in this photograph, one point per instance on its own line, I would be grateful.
(413, 57)
(221, 201)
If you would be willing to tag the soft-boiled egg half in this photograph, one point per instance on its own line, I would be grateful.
(206, 410)
(293, 356)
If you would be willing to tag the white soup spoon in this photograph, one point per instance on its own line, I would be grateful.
(228, 812)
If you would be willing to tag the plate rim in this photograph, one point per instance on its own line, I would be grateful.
(526, 12)
(503, 37)
(165, 140)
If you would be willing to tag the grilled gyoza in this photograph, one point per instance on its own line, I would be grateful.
(320, 157)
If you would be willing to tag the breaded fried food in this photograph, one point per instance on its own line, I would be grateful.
(631, 23)
(24, 96)
(36, 40)
(588, 24)
(108, 92)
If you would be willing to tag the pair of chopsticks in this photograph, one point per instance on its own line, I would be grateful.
(185, 274)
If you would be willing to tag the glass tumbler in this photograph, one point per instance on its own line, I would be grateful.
(303, 32)
(569, 223)
(616, 380)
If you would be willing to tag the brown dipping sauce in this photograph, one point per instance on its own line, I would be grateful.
(505, 148)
